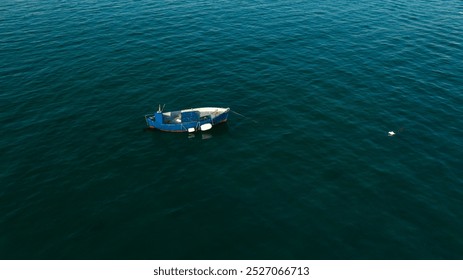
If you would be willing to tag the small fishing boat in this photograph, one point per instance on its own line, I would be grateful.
(187, 120)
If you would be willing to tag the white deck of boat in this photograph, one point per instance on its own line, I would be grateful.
(208, 111)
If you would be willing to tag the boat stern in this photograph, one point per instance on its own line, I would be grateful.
(154, 120)
(150, 121)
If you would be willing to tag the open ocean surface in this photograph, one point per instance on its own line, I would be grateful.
(308, 173)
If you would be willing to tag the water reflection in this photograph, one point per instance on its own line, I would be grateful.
(204, 136)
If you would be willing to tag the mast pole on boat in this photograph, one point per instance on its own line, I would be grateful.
(159, 108)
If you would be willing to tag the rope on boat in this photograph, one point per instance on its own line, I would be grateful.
(243, 116)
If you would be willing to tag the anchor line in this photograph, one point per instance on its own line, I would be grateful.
(243, 116)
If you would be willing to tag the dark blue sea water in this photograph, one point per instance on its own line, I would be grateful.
(308, 173)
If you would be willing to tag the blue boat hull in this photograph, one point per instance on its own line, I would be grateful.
(190, 120)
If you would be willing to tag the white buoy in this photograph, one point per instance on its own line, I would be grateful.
(206, 126)
(191, 129)
(391, 133)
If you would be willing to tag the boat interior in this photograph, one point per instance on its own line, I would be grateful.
(190, 115)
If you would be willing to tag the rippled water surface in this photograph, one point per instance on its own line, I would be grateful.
(304, 168)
